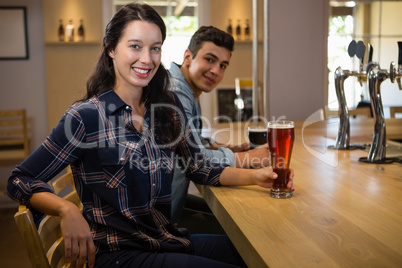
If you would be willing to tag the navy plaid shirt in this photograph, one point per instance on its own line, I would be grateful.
(123, 177)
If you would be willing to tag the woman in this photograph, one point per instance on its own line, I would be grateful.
(119, 141)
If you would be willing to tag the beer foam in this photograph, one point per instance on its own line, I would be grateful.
(281, 126)
(258, 129)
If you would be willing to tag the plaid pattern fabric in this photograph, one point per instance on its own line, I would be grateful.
(122, 176)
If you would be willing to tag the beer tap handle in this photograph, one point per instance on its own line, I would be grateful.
(370, 52)
(360, 49)
(352, 49)
(398, 79)
(370, 58)
(394, 72)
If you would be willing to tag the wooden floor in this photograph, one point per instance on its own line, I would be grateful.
(12, 250)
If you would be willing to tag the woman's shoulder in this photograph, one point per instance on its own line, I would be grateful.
(103, 105)
(85, 110)
(84, 107)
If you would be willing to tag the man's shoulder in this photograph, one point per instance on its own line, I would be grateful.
(175, 71)
(178, 81)
(176, 74)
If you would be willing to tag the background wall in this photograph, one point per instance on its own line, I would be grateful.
(298, 81)
(298, 76)
(23, 82)
(68, 64)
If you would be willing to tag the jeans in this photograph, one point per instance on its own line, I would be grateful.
(209, 251)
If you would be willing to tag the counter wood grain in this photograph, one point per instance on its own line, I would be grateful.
(344, 213)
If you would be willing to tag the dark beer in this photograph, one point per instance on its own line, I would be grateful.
(282, 180)
(257, 136)
(280, 141)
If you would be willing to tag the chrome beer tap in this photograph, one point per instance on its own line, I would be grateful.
(375, 76)
(342, 141)
(396, 75)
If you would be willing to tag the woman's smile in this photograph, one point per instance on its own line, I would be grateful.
(142, 72)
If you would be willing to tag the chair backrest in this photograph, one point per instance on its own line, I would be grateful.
(63, 186)
(14, 144)
(361, 111)
(395, 110)
(62, 182)
(45, 245)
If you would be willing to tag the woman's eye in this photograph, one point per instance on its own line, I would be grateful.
(135, 46)
(157, 49)
(223, 67)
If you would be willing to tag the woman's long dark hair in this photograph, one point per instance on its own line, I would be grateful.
(157, 92)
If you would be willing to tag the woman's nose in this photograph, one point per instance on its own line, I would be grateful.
(145, 56)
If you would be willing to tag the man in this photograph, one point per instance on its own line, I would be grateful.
(204, 64)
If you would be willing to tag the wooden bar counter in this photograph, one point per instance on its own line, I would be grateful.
(344, 213)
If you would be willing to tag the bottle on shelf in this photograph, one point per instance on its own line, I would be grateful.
(229, 28)
(61, 30)
(247, 30)
(70, 31)
(238, 30)
(81, 32)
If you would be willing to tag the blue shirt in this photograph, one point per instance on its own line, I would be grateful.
(123, 176)
(192, 109)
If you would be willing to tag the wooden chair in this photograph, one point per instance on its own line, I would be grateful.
(45, 245)
(395, 110)
(14, 144)
(361, 111)
(64, 187)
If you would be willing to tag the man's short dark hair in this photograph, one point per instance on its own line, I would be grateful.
(211, 34)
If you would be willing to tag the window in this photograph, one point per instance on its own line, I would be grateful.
(340, 34)
(372, 22)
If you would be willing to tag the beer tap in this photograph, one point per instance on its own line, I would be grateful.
(375, 76)
(396, 75)
(361, 74)
(342, 141)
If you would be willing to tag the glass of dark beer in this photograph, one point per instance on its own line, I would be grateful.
(280, 141)
(257, 136)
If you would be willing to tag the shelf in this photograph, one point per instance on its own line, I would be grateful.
(247, 42)
(67, 43)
